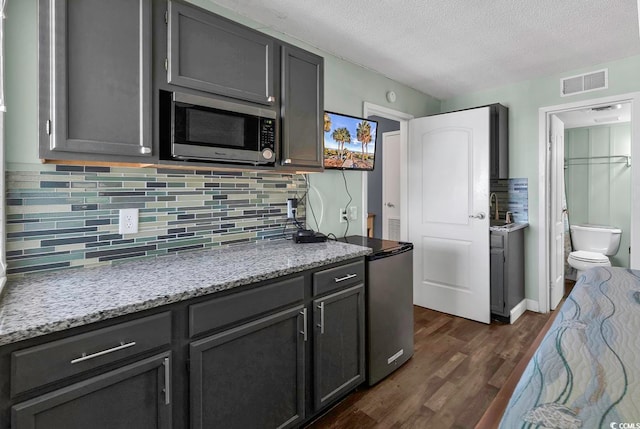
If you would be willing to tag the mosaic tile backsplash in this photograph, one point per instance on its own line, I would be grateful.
(68, 217)
(513, 196)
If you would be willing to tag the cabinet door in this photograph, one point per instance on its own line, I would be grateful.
(134, 396)
(251, 376)
(95, 78)
(497, 281)
(499, 144)
(302, 108)
(213, 54)
(338, 344)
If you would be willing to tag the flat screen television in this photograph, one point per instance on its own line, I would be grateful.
(349, 142)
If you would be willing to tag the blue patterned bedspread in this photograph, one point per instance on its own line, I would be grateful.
(586, 372)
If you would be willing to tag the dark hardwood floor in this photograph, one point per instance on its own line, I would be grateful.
(457, 369)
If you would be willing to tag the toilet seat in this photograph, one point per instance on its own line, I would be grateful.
(590, 257)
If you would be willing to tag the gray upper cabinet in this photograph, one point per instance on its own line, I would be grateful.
(302, 108)
(95, 80)
(210, 53)
(499, 141)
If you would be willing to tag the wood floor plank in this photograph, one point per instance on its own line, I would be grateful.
(456, 371)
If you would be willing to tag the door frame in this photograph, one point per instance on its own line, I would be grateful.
(546, 192)
(370, 109)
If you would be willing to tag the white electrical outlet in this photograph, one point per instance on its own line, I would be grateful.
(343, 215)
(353, 213)
(128, 223)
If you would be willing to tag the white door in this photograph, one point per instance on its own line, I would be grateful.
(391, 186)
(448, 204)
(557, 212)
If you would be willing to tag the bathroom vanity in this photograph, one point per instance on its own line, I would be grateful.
(507, 270)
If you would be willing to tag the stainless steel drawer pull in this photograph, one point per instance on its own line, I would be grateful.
(167, 381)
(347, 277)
(321, 324)
(304, 322)
(103, 352)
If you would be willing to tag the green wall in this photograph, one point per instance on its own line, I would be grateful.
(524, 99)
(347, 86)
(599, 191)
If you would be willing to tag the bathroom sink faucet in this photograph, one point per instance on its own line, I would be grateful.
(493, 194)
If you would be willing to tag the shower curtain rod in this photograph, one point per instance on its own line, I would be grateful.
(626, 160)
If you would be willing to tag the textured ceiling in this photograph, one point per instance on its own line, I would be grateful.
(450, 47)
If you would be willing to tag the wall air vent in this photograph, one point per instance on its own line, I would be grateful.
(584, 83)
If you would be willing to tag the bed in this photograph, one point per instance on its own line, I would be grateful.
(586, 371)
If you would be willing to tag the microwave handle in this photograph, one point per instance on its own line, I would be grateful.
(223, 105)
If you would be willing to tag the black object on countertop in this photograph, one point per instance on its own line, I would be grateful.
(308, 236)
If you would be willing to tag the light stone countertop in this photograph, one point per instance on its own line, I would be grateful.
(39, 304)
(510, 227)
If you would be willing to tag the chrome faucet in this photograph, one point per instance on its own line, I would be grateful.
(493, 194)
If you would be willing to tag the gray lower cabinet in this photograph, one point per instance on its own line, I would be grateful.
(302, 86)
(507, 271)
(338, 342)
(95, 80)
(133, 396)
(210, 53)
(251, 375)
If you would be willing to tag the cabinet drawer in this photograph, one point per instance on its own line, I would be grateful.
(497, 241)
(338, 277)
(46, 363)
(227, 310)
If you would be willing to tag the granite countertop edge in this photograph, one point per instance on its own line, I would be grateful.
(16, 335)
(516, 226)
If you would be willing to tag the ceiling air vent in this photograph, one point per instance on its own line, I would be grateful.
(584, 83)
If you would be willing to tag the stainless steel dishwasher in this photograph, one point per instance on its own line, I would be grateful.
(389, 305)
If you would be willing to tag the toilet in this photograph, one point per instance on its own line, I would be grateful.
(593, 245)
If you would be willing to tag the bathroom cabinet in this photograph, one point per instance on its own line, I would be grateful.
(507, 272)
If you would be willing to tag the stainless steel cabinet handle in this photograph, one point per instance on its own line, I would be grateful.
(145, 150)
(287, 161)
(304, 321)
(167, 381)
(271, 99)
(390, 205)
(321, 324)
(103, 352)
(478, 216)
(347, 277)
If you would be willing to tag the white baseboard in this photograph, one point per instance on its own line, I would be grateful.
(533, 305)
(518, 311)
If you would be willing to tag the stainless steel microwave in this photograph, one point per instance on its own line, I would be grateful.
(210, 129)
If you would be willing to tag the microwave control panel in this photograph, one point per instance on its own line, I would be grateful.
(267, 134)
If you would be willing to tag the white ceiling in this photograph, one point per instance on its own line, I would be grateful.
(450, 47)
(601, 115)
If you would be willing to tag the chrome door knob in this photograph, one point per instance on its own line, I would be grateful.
(480, 215)
(390, 205)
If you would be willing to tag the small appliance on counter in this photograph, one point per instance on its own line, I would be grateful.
(308, 236)
(389, 305)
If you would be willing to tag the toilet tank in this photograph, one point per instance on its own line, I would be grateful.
(596, 238)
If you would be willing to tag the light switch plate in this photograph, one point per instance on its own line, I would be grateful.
(128, 222)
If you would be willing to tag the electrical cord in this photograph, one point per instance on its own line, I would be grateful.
(346, 188)
(303, 199)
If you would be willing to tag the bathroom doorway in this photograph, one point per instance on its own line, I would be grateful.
(597, 167)
(582, 147)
